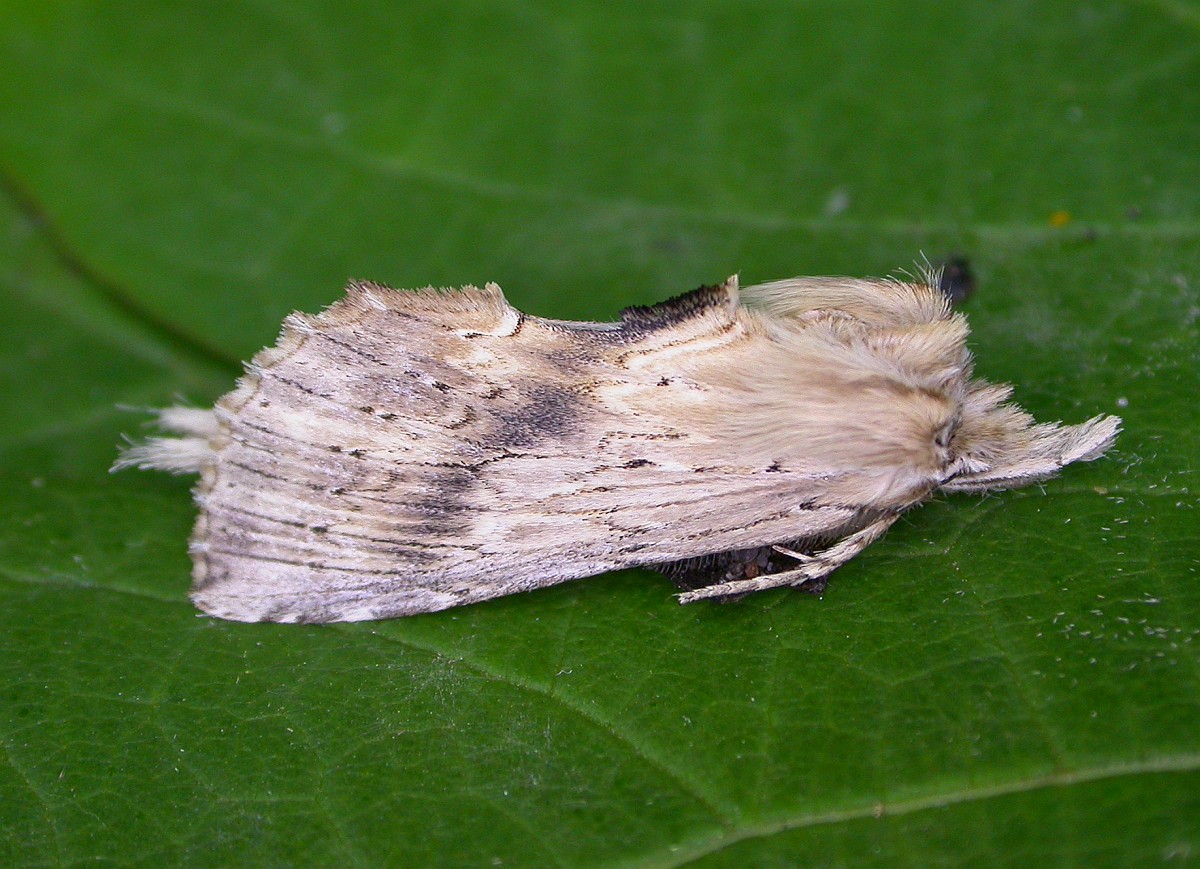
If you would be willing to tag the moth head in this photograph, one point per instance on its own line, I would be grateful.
(996, 445)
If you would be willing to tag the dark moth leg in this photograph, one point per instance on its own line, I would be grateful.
(694, 574)
(812, 573)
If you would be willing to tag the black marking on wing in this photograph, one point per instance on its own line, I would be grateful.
(544, 411)
(640, 319)
(445, 500)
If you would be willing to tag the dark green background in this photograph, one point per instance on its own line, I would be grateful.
(1010, 680)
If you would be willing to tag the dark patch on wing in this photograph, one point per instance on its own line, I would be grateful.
(469, 415)
(295, 384)
(445, 499)
(542, 412)
(640, 319)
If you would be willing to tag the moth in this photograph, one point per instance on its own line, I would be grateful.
(407, 451)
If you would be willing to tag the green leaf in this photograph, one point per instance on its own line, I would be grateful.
(1006, 681)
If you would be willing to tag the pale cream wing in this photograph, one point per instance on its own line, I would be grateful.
(408, 451)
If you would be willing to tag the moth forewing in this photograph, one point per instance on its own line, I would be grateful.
(408, 451)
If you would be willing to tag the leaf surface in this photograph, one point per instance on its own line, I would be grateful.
(1006, 680)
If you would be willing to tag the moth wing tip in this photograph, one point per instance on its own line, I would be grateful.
(240, 601)
(212, 601)
(1092, 439)
(365, 295)
(209, 609)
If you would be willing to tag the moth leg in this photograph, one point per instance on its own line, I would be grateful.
(812, 567)
(812, 586)
(802, 557)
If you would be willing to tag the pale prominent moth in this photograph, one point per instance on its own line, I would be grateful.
(408, 451)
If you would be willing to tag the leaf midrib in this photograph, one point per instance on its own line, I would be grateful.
(688, 853)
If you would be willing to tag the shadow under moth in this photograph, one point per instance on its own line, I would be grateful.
(407, 451)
